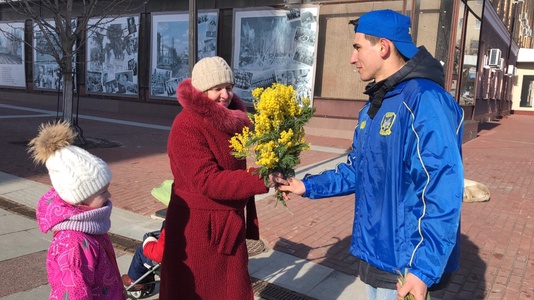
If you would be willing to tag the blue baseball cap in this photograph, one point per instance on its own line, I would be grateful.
(390, 25)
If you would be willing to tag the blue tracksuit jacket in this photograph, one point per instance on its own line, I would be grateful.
(406, 171)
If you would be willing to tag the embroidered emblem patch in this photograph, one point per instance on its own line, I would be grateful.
(387, 123)
(362, 125)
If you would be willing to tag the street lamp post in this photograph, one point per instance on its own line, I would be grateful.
(192, 34)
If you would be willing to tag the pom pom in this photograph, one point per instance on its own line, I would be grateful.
(51, 137)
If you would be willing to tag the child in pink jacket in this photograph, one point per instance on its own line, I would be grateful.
(81, 262)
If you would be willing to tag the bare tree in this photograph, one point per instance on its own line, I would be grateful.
(63, 23)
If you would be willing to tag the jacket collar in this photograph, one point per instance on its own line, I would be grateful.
(422, 65)
(229, 119)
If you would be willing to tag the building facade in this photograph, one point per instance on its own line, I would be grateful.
(523, 87)
(135, 62)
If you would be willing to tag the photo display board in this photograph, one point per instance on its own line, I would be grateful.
(273, 45)
(112, 56)
(46, 72)
(170, 49)
(12, 72)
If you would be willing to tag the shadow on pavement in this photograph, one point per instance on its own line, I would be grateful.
(485, 126)
(468, 282)
(302, 274)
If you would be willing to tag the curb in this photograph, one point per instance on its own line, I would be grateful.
(263, 289)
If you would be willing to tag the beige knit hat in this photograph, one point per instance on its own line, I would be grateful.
(211, 71)
(75, 173)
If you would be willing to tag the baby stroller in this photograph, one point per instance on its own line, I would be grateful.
(145, 285)
(142, 288)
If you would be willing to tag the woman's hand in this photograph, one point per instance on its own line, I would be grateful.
(276, 179)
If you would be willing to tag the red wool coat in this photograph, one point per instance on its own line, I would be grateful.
(205, 255)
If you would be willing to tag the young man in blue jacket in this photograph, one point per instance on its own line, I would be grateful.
(405, 167)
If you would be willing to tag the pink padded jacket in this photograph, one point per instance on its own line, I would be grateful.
(81, 261)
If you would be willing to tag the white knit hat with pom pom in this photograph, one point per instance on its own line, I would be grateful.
(75, 173)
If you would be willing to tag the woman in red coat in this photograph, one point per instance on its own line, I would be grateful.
(205, 255)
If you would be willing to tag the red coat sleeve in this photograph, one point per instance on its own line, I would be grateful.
(154, 249)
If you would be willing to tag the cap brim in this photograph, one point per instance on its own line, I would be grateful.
(406, 49)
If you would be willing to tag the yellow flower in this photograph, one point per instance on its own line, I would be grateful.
(239, 143)
(286, 137)
(278, 135)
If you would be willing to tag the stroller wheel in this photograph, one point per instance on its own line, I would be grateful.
(150, 289)
(136, 294)
(147, 290)
(130, 297)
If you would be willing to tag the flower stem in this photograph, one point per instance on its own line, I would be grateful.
(280, 198)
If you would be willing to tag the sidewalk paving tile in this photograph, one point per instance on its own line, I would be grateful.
(497, 236)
